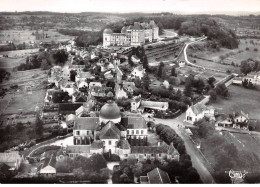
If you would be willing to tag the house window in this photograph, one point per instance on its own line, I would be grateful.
(87, 132)
(133, 132)
(142, 131)
(160, 155)
(109, 142)
(128, 132)
(77, 132)
(137, 131)
(126, 155)
(151, 154)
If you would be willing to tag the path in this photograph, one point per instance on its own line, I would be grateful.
(194, 65)
(196, 157)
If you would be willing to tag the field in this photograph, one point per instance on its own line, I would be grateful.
(240, 99)
(236, 57)
(245, 142)
(20, 36)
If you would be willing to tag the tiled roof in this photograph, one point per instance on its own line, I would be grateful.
(158, 176)
(137, 122)
(123, 144)
(109, 131)
(198, 108)
(86, 123)
(78, 149)
(154, 104)
(98, 144)
(148, 149)
(69, 106)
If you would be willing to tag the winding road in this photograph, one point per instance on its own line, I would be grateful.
(197, 159)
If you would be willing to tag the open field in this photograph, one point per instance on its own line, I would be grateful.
(23, 102)
(215, 65)
(9, 63)
(247, 143)
(240, 99)
(19, 53)
(26, 35)
(236, 57)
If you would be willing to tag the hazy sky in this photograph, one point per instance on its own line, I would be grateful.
(130, 5)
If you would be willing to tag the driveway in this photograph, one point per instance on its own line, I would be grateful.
(196, 158)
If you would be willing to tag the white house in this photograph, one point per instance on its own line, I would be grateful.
(48, 169)
(138, 72)
(198, 111)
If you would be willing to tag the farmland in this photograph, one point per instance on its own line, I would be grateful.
(240, 99)
(230, 55)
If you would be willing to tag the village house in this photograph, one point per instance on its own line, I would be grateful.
(198, 111)
(253, 77)
(237, 120)
(69, 87)
(120, 92)
(156, 176)
(12, 159)
(138, 71)
(48, 168)
(137, 105)
(83, 76)
(79, 97)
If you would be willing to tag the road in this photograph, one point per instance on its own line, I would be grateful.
(197, 159)
(192, 64)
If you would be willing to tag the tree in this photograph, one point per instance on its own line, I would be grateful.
(222, 90)
(130, 62)
(173, 72)
(73, 74)
(145, 63)
(60, 57)
(38, 126)
(213, 95)
(160, 69)
(211, 80)
(146, 81)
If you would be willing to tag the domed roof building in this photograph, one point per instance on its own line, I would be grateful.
(110, 112)
(107, 31)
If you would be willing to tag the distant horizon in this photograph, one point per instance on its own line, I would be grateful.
(233, 13)
(229, 7)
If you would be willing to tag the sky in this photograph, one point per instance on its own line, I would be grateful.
(121, 6)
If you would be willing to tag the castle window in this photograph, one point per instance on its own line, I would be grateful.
(77, 132)
(133, 132)
(137, 131)
(109, 142)
(128, 132)
(142, 131)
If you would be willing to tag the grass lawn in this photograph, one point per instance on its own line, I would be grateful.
(240, 99)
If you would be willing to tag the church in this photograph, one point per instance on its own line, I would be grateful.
(132, 35)
(110, 131)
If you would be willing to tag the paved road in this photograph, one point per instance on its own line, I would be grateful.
(196, 158)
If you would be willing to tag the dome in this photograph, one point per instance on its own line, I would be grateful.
(107, 31)
(110, 111)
